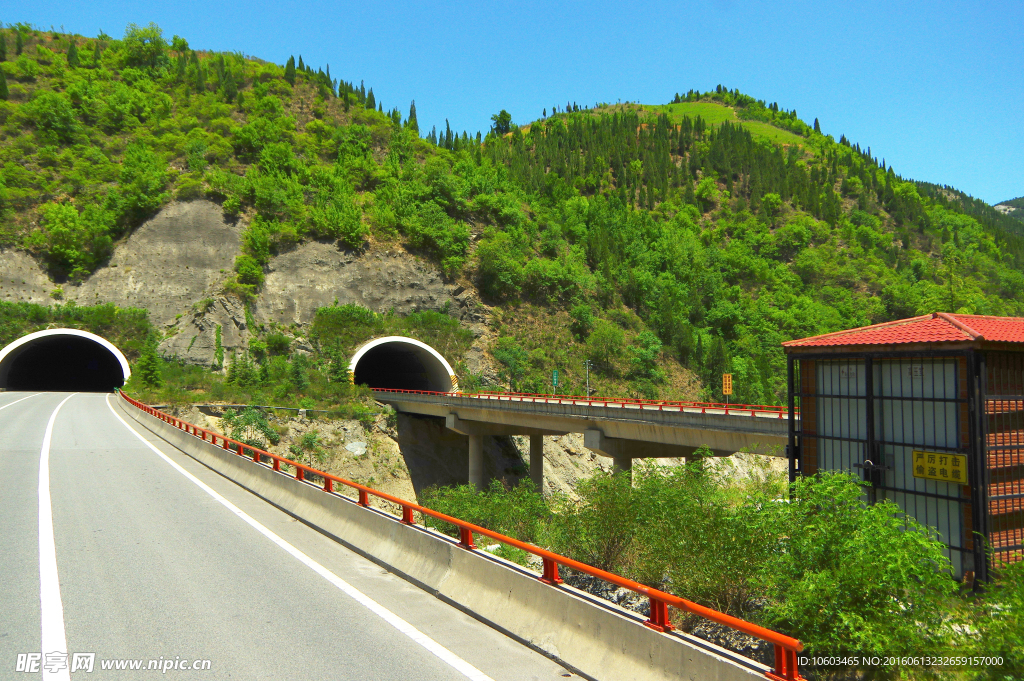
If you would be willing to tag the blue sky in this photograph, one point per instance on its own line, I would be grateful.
(936, 88)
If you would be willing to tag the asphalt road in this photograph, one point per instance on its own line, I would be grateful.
(142, 563)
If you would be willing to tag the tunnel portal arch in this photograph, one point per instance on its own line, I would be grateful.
(402, 363)
(62, 359)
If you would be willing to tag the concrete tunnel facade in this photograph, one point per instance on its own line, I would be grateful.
(400, 363)
(63, 360)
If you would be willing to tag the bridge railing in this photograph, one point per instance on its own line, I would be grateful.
(704, 407)
(786, 647)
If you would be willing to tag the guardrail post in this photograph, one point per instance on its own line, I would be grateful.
(300, 473)
(785, 665)
(407, 516)
(466, 538)
(364, 498)
(659, 620)
(550, 575)
(277, 464)
(328, 485)
(256, 455)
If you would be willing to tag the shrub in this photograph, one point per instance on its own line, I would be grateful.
(54, 115)
(250, 272)
(605, 342)
(857, 579)
(278, 344)
(582, 321)
(499, 267)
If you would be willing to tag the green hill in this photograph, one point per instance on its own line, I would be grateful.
(667, 244)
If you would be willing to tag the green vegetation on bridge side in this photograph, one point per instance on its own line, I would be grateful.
(846, 578)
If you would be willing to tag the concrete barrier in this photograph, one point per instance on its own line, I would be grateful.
(592, 637)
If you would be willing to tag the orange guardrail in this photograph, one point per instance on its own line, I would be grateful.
(786, 647)
(751, 409)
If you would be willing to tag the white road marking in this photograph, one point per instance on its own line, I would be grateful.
(52, 609)
(447, 656)
(21, 400)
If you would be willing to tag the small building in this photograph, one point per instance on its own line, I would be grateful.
(929, 411)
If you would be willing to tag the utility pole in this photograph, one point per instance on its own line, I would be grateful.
(587, 364)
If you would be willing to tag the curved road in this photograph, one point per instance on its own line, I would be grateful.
(134, 551)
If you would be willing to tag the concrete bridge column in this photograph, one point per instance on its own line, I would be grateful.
(537, 461)
(476, 461)
(622, 464)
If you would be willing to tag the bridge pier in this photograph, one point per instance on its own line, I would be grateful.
(476, 461)
(537, 461)
(622, 464)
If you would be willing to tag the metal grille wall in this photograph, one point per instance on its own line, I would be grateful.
(1004, 454)
(875, 415)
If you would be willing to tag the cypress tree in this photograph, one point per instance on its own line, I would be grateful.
(344, 102)
(412, 123)
(302, 67)
(182, 63)
(96, 53)
(230, 89)
(200, 78)
(289, 71)
(380, 107)
(148, 366)
(73, 55)
(3, 46)
(371, 103)
(19, 43)
(3, 85)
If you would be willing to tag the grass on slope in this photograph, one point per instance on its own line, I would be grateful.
(716, 114)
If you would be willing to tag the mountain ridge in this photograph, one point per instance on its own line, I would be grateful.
(666, 244)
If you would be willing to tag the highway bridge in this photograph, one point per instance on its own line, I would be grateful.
(415, 379)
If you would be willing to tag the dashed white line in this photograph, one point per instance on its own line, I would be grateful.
(445, 655)
(54, 638)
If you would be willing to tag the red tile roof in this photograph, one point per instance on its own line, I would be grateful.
(939, 327)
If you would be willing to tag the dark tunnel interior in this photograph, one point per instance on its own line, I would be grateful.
(403, 367)
(64, 363)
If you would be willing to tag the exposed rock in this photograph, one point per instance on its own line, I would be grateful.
(195, 337)
(183, 254)
(316, 274)
(22, 280)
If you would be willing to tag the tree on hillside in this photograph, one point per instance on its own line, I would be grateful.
(289, 71)
(19, 43)
(412, 124)
(73, 55)
(143, 46)
(147, 368)
(371, 103)
(3, 47)
(97, 52)
(817, 128)
(3, 85)
(179, 45)
(502, 123)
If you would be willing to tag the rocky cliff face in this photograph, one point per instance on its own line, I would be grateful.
(176, 264)
(183, 254)
(22, 280)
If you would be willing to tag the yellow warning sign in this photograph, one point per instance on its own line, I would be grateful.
(940, 466)
(727, 384)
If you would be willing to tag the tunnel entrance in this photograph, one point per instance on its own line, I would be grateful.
(400, 363)
(62, 360)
